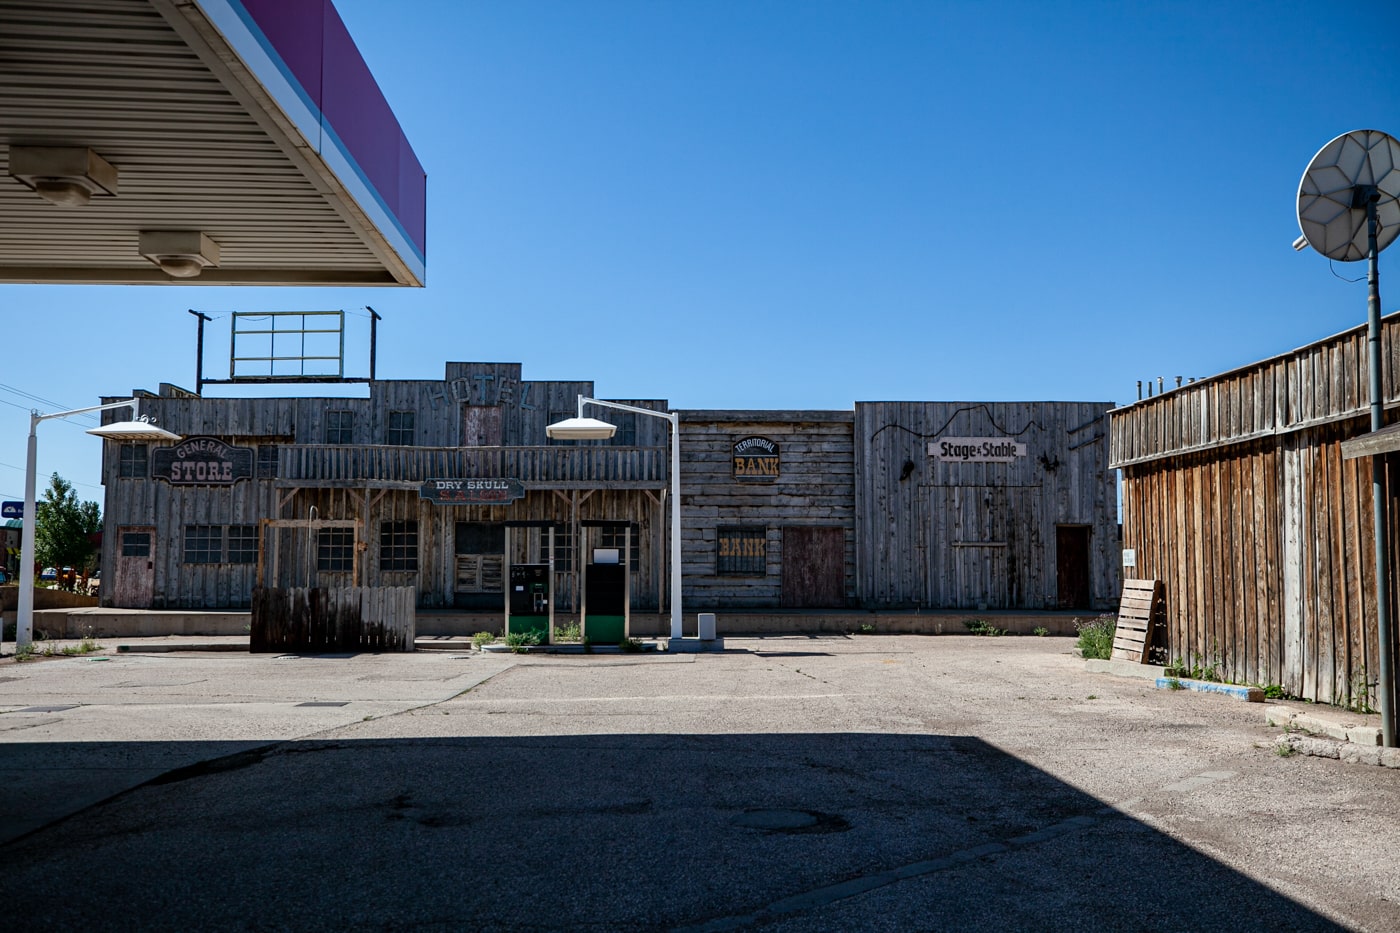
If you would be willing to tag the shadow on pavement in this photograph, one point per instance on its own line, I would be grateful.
(617, 832)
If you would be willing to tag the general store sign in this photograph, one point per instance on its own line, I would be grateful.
(477, 491)
(976, 449)
(202, 461)
(756, 459)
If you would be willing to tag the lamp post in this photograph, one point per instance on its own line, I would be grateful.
(134, 430)
(591, 429)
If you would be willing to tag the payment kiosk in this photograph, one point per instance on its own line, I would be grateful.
(530, 586)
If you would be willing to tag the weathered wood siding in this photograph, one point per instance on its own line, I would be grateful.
(1236, 496)
(937, 533)
(363, 477)
(815, 487)
(1317, 384)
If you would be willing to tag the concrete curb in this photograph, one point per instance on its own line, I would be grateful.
(170, 649)
(1348, 752)
(1248, 694)
(1341, 730)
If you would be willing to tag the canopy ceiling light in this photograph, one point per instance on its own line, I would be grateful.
(139, 430)
(580, 429)
(181, 254)
(65, 175)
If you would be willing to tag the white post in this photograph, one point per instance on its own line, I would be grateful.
(675, 526)
(24, 616)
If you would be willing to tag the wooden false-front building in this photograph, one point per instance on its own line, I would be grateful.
(1248, 494)
(422, 483)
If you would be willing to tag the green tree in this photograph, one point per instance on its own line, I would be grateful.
(63, 526)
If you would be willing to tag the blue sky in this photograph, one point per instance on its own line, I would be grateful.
(802, 205)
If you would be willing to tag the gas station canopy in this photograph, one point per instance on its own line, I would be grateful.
(214, 142)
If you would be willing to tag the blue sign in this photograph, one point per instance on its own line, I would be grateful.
(11, 510)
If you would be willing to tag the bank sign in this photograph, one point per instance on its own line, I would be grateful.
(202, 461)
(481, 491)
(976, 449)
(756, 460)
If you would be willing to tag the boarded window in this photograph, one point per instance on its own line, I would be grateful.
(335, 550)
(398, 546)
(340, 427)
(136, 544)
(242, 544)
(401, 430)
(742, 550)
(204, 544)
(626, 435)
(267, 461)
(132, 460)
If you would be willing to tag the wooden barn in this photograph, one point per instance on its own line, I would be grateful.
(1242, 494)
(985, 505)
(449, 485)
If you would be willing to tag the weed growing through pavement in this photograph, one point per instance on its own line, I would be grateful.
(1174, 684)
(483, 638)
(1040, 631)
(629, 645)
(1283, 750)
(568, 633)
(518, 642)
(982, 627)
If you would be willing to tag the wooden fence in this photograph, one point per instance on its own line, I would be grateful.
(332, 619)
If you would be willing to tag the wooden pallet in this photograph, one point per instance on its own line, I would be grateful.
(1141, 603)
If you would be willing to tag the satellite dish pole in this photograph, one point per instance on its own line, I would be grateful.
(1350, 195)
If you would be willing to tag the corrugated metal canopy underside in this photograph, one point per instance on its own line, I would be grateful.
(200, 146)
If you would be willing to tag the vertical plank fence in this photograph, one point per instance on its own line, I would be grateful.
(317, 619)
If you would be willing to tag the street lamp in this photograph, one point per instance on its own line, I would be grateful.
(591, 429)
(134, 430)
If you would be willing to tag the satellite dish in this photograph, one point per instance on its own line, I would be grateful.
(1351, 170)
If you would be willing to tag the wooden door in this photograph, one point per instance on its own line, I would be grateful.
(814, 567)
(969, 559)
(1072, 566)
(135, 573)
(481, 426)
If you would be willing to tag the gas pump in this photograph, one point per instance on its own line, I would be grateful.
(606, 596)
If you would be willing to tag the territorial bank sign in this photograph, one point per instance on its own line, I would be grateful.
(976, 449)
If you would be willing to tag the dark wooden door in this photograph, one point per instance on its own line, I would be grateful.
(814, 567)
(135, 573)
(1072, 566)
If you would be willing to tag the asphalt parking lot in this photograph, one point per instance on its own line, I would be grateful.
(789, 783)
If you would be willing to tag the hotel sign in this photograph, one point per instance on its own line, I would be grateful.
(976, 449)
(481, 491)
(756, 460)
(202, 461)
